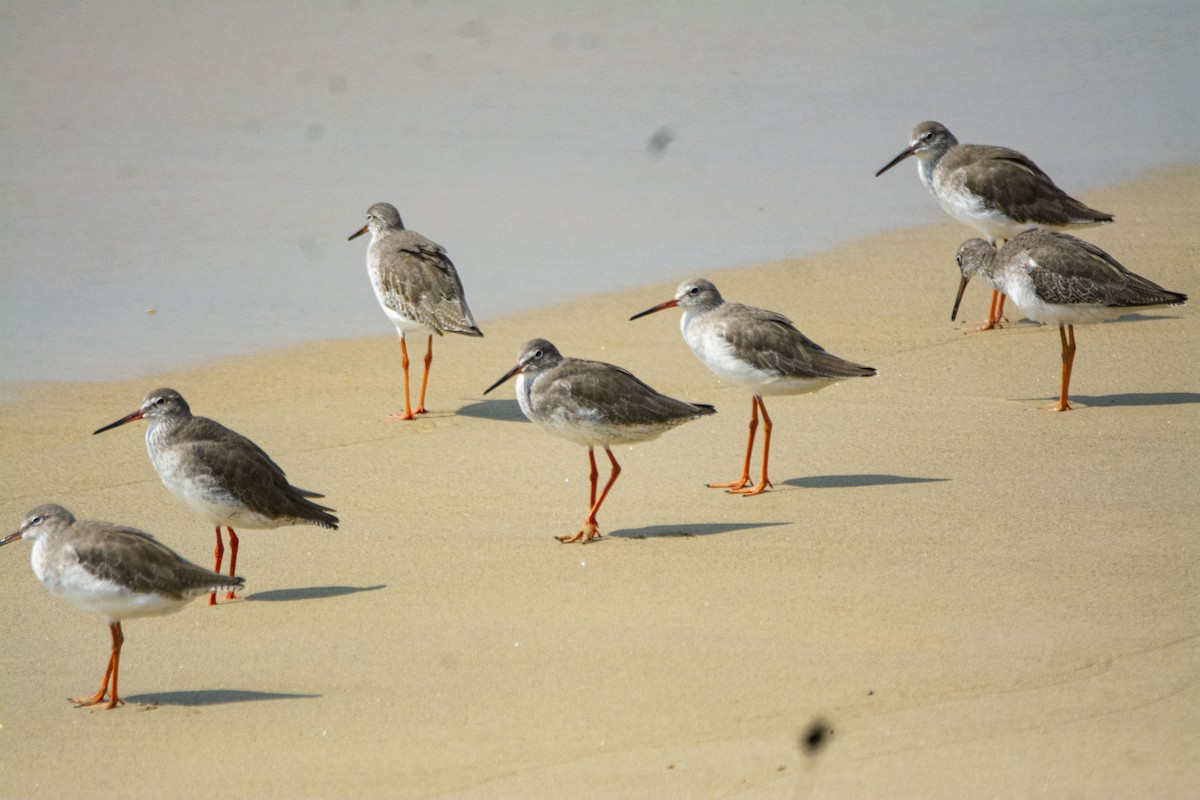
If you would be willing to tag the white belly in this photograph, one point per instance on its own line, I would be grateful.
(954, 198)
(401, 322)
(1023, 294)
(716, 353)
(70, 581)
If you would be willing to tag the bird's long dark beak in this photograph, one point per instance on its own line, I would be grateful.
(669, 304)
(366, 228)
(902, 155)
(12, 537)
(503, 378)
(134, 416)
(961, 288)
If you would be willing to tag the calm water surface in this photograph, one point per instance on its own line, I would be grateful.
(178, 180)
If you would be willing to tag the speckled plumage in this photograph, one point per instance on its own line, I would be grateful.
(110, 569)
(417, 286)
(222, 475)
(593, 404)
(1056, 278)
(759, 350)
(218, 472)
(414, 280)
(995, 190)
(1060, 280)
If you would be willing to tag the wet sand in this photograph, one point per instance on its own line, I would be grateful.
(972, 597)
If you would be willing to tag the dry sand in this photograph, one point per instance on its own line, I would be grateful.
(976, 598)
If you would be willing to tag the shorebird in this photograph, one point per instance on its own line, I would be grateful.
(593, 404)
(997, 191)
(114, 570)
(758, 350)
(1060, 280)
(417, 286)
(221, 474)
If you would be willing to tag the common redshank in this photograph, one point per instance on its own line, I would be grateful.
(758, 350)
(593, 404)
(221, 474)
(417, 286)
(114, 570)
(1060, 280)
(997, 191)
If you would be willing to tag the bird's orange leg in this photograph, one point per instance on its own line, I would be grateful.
(595, 476)
(114, 662)
(590, 529)
(408, 414)
(425, 377)
(1068, 361)
(742, 481)
(765, 482)
(995, 311)
(233, 548)
(220, 554)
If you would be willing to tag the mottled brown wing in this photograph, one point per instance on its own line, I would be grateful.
(625, 399)
(136, 559)
(418, 280)
(771, 342)
(1066, 270)
(245, 471)
(1009, 182)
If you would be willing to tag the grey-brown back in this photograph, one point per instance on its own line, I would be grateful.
(212, 452)
(1067, 270)
(1009, 182)
(770, 341)
(137, 561)
(416, 279)
(585, 388)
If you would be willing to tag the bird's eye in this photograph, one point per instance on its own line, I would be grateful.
(35, 521)
(537, 354)
(958, 259)
(695, 290)
(159, 401)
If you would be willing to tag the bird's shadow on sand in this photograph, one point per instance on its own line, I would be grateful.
(499, 410)
(1139, 317)
(1130, 399)
(687, 531)
(1133, 316)
(212, 697)
(310, 593)
(855, 481)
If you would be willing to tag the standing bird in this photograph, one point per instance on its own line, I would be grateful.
(593, 404)
(418, 287)
(1058, 279)
(114, 570)
(758, 350)
(997, 191)
(221, 474)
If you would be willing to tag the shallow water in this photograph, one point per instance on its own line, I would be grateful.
(179, 179)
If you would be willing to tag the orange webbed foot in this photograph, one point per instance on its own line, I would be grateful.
(587, 533)
(753, 490)
(95, 700)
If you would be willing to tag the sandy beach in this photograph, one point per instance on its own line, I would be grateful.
(967, 597)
